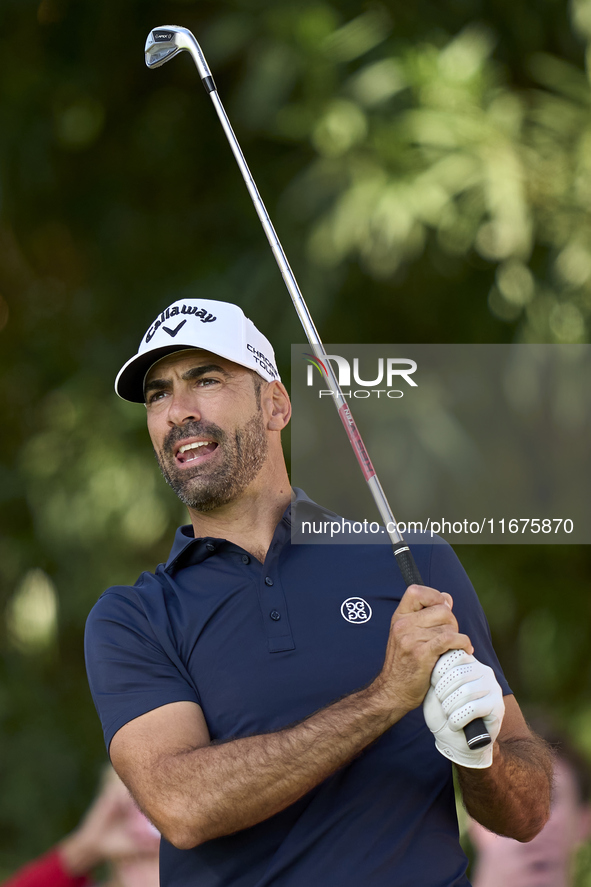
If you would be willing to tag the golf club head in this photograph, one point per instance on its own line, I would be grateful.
(165, 42)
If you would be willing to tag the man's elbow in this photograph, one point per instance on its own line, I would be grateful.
(531, 823)
(182, 839)
(180, 826)
(182, 833)
(532, 831)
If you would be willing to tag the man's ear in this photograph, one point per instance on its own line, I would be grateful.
(278, 406)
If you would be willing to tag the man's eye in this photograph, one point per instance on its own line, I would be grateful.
(158, 395)
(207, 381)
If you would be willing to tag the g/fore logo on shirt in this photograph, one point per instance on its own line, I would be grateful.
(356, 610)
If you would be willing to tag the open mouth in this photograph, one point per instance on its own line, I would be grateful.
(195, 452)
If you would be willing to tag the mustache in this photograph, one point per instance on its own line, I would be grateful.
(192, 429)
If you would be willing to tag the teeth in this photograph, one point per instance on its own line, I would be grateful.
(193, 446)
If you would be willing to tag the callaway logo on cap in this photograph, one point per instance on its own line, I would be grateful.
(219, 327)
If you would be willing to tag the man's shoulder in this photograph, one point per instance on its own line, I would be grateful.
(119, 600)
(150, 582)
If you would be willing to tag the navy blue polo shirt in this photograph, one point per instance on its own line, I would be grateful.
(261, 646)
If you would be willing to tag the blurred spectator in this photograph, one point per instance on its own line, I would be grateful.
(547, 861)
(113, 831)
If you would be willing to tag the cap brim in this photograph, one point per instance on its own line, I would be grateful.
(129, 383)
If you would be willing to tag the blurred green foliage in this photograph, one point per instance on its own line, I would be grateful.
(427, 168)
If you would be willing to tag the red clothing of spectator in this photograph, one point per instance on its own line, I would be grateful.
(46, 871)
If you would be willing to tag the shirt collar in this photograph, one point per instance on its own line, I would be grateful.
(185, 541)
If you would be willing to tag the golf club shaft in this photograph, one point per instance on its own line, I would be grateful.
(476, 733)
(310, 329)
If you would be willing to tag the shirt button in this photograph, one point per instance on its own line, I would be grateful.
(268, 581)
(210, 546)
(245, 559)
(275, 615)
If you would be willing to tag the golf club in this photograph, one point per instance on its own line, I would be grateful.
(163, 44)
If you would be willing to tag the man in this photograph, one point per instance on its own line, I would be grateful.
(271, 740)
(547, 861)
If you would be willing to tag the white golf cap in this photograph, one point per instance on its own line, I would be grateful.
(219, 327)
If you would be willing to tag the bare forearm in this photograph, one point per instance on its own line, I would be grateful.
(195, 791)
(512, 797)
(220, 789)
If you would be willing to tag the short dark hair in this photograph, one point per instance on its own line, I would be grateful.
(564, 749)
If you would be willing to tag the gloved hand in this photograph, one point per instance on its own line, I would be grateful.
(462, 688)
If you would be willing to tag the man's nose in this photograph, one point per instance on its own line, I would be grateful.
(183, 408)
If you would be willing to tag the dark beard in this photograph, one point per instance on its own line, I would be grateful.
(203, 488)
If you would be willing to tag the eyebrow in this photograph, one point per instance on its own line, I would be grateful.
(191, 374)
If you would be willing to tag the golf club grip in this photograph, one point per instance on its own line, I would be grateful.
(477, 736)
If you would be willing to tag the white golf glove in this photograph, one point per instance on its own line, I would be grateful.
(462, 688)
